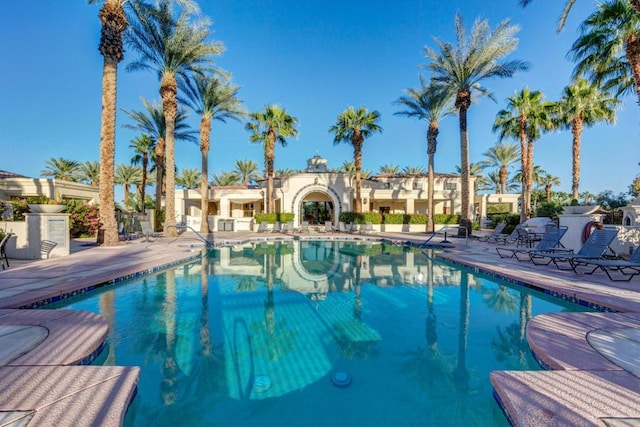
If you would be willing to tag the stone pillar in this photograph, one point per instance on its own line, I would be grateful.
(225, 208)
(409, 207)
(52, 227)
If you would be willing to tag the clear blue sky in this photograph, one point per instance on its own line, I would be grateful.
(315, 58)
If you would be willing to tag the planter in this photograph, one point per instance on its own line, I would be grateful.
(34, 208)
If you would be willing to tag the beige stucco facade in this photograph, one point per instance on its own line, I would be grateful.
(13, 185)
(318, 195)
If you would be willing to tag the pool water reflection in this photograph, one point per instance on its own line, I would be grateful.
(252, 335)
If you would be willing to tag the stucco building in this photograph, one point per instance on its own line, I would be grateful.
(318, 194)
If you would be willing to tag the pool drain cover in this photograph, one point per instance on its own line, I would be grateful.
(261, 383)
(341, 379)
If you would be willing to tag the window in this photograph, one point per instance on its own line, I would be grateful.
(450, 186)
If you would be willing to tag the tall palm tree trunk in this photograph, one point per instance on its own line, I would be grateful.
(114, 23)
(547, 191)
(632, 52)
(529, 178)
(143, 189)
(576, 130)
(503, 175)
(107, 154)
(357, 160)
(524, 167)
(270, 162)
(205, 126)
(159, 155)
(432, 134)
(463, 102)
(127, 194)
(168, 91)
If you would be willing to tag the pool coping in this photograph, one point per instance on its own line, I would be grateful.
(472, 255)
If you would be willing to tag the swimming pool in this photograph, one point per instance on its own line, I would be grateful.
(316, 333)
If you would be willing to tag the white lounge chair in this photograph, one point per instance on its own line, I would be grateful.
(263, 227)
(367, 228)
(147, 230)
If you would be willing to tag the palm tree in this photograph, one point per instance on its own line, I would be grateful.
(476, 170)
(224, 179)
(266, 127)
(583, 104)
(608, 49)
(125, 176)
(247, 170)
(548, 181)
(430, 104)
(173, 48)
(143, 147)
(462, 68)
(501, 156)
(284, 172)
(61, 169)
(353, 127)
(114, 23)
(526, 115)
(213, 98)
(413, 170)
(189, 179)
(569, 5)
(89, 173)
(152, 123)
(493, 182)
(389, 169)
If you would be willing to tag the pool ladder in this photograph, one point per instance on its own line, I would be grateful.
(445, 230)
(200, 236)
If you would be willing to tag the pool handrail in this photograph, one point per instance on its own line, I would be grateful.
(200, 236)
(445, 230)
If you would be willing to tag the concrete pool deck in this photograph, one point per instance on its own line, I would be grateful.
(594, 357)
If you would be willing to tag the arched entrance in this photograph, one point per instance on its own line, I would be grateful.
(316, 204)
(316, 208)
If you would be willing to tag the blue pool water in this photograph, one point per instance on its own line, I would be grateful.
(253, 336)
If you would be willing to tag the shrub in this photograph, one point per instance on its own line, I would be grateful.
(550, 210)
(404, 218)
(417, 219)
(446, 219)
(393, 218)
(497, 208)
(361, 218)
(271, 218)
(84, 220)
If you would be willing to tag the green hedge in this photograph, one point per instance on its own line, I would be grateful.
(361, 218)
(271, 218)
(446, 219)
(404, 219)
(377, 218)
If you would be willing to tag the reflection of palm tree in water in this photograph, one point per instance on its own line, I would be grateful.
(511, 343)
(500, 299)
(431, 333)
(280, 339)
(357, 304)
(461, 374)
(350, 348)
(170, 368)
(108, 312)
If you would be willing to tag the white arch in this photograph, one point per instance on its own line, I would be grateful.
(296, 202)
